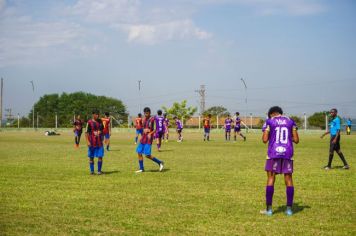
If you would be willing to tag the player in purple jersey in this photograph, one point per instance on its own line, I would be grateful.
(159, 120)
(237, 127)
(179, 128)
(144, 147)
(227, 127)
(166, 127)
(280, 132)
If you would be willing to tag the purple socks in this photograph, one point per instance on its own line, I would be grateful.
(290, 195)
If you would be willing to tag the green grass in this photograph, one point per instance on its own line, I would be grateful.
(214, 188)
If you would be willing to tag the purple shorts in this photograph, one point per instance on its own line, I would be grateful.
(227, 130)
(279, 166)
(159, 134)
(237, 129)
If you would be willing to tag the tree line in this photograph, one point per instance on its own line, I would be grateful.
(68, 105)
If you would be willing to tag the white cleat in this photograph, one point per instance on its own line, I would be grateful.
(161, 166)
(139, 171)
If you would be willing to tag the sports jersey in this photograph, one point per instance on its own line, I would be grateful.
(206, 122)
(166, 124)
(228, 123)
(237, 123)
(148, 123)
(179, 124)
(106, 124)
(159, 120)
(280, 137)
(334, 126)
(138, 123)
(78, 125)
(94, 130)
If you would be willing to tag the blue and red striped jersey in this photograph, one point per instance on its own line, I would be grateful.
(148, 123)
(95, 132)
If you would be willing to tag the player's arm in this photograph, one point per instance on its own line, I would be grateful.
(295, 136)
(87, 130)
(265, 136)
(323, 135)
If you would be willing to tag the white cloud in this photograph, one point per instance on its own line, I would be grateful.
(25, 41)
(154, 33)
(141, 23)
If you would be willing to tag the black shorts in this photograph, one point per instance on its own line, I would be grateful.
(334, 146)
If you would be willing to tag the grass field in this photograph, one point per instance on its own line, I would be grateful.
(207, 188)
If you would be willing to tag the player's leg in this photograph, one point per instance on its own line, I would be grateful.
(331, 155)
(147, 152)
(204, 134)
(100, 165)
(140, 150)
(208, 135)
(79, 135)
(107, 141)
(229, 134)
(225, 135)
(289, 192)
(244, 137)
(271, 176)
(342, 157)
(91, 159)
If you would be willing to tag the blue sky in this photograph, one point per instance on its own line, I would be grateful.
(298, 54)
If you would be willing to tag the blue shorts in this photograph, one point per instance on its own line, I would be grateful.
(207, 130)
(95, 152)
(107, 136)
(144, 149)
(77, 133)
(139, 131)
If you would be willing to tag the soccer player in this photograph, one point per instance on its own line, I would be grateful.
(138, 126)
(94, 137)
(237, 128)
(146, 140)
(334, 130)
(77, 129)
(207, 126)
(348, 126)
(166, 127)
(227, 127)
(280, 132)
(159, 120)
(107, 129)
(179, 128)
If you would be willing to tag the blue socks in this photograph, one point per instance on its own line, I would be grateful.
(140, 162)
(91, 165)
(100, 164)
(156, 160)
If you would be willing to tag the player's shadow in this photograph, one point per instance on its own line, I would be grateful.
(296, 208)
(167, 150)
(338, 167)
(110, 172)
(164, 170)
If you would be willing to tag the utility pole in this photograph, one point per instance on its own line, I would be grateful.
(1, 99)
(243, 81)
(201, 92)
(33, 108)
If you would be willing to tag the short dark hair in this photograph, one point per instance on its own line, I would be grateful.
(147, 109)
(95, 111)
(165, 114)
(209, 115)
(237, 113)
(334, 110)
(175, 117)
(275, 109)
(139, 114)
(107, 113)
(159, 112)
